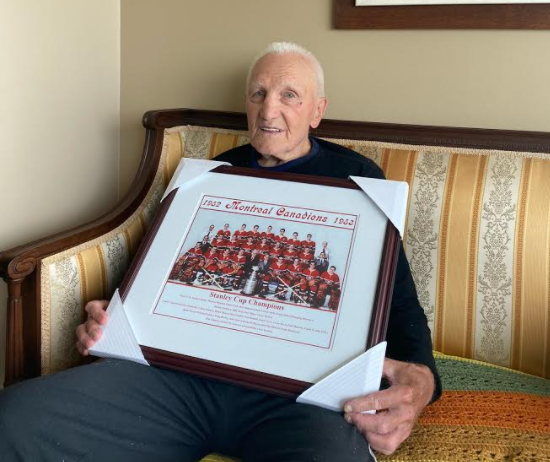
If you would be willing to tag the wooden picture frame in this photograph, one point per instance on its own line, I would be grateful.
(245, 376)
(345, 15)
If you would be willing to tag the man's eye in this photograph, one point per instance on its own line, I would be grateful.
(258, 94)
(289, 94)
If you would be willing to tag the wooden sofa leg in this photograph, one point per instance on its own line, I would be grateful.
(14, 338)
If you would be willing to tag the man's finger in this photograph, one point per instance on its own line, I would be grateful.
(81, 332)
(376, 401)
(96, 310)
(83, 337)
(93, 329)
(382, 424)
(81, 349)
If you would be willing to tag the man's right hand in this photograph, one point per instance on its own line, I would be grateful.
(89, 333)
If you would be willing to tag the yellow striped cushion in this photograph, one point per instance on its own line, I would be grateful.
(477, 237)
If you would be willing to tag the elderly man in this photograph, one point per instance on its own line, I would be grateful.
(119, 410)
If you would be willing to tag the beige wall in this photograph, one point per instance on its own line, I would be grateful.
(186, 53)
(59, 118)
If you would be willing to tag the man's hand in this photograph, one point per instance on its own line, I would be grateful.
(398, 407)
(89, 333)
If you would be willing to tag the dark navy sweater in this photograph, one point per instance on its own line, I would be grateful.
(408, 333)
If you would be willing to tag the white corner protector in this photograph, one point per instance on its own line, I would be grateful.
(390, 197)
(118, 339)
(359, 377)
(189, 169)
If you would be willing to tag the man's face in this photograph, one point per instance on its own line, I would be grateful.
(282, 104)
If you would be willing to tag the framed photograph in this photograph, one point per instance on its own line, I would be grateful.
(268, 280)
(442, 2)
(441, 14)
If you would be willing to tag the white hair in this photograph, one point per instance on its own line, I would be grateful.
(282, 48)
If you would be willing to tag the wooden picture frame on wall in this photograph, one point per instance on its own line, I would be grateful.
(346, 15)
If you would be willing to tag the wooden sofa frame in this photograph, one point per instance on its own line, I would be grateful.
(20, 266)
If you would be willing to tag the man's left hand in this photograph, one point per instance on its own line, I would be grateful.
(398, 407)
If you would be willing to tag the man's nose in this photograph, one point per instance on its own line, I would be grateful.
(270, 107)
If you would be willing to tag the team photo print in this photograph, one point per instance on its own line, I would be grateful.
(269, 251)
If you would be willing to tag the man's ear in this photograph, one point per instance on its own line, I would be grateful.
(320, 110)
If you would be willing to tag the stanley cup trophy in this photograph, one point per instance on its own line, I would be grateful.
(250, 284)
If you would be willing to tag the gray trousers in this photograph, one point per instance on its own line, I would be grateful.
(120, 411)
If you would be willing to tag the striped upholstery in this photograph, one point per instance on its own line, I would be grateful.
(477, 237)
